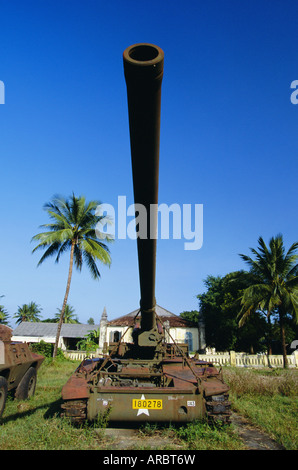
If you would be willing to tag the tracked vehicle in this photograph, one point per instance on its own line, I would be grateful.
(147, 379)
(18, 368)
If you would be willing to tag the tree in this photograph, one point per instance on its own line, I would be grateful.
(276, 287)
(73, 228)
(190, 315)
(219, 306)
(28, 312)
(68, 316)
(3, 315)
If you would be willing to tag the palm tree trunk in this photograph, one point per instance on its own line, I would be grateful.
(65, 298)
(283, 339)
(269, 350)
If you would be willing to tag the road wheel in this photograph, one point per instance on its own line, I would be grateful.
(3, 394)
(26, 387)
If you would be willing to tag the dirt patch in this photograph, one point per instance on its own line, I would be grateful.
(127, 439)
(131, 438)
(253, 438)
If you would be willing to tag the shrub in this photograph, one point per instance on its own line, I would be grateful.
(46, 349)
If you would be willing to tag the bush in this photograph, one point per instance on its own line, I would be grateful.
(46, 349)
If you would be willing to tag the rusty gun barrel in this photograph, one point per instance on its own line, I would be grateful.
(143, 69)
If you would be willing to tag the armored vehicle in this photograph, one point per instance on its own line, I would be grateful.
(18, 368)
(147, 379)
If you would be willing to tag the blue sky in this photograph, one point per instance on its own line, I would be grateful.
(228, 137)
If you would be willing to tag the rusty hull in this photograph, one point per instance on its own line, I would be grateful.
(18, 368)
(183, 394)
(15, 358)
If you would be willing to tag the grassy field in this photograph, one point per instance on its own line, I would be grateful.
(269, 399)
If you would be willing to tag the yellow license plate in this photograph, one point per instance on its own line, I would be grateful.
(139, 404)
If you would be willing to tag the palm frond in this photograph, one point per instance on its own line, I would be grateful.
(97, 250)
(51, 250)
(91, 265)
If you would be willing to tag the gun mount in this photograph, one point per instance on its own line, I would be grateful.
(148, 379)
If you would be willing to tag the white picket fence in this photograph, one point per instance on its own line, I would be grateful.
(230, 358)
(79, 355)
(235, 359)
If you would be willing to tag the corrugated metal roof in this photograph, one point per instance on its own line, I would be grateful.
(39, 329)
(162, 313)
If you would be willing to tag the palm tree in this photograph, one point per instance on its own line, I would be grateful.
(28, 312)
(277, 287)
(68, 316)
(3, 315)
(73, 228)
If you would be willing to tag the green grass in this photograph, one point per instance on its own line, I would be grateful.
(35, 424)
(201, 436)
(269, 400)
(198, 435)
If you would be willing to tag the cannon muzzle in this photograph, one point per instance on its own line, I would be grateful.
(143, 70)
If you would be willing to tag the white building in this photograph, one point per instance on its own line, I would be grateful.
(177, 329)
(34, 332)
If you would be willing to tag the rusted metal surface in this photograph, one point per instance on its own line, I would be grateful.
(18, 367)
(148, 379)
(76, 409)
(181, 395)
